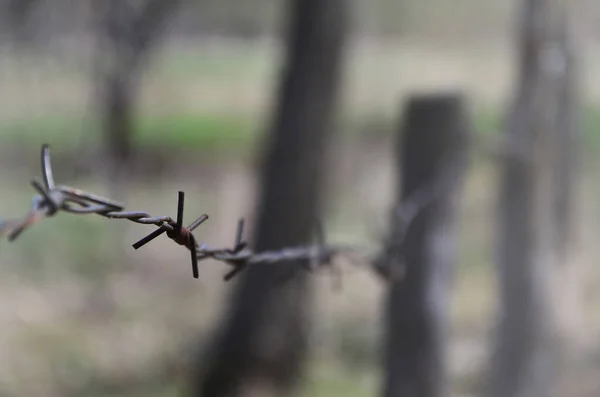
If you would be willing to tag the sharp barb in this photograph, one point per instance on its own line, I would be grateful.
(149, 238)
(16, 233)
(234, 272)
(234, 264)
(180, 201)
(239, 234)
(197, 222)
(33, 217)
(47, 168)
(195, 271)
(40, 189)
(241, 246)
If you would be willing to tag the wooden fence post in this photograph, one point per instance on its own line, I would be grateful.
(432, 157)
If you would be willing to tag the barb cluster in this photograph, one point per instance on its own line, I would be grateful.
(52, 198)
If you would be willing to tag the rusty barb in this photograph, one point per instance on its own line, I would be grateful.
(51, 199)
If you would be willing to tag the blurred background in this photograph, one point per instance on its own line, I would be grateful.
(141, 98)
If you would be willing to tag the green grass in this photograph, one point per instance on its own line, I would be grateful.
(245, 62)
(193, 132)
(221, 133)
(330, 381)
(63, 132)
(182, 132)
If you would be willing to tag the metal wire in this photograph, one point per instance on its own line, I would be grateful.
(52, 199)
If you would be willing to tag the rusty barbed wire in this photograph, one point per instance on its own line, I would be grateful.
(52, 199)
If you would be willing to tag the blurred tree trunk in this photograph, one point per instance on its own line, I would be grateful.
(567, 130)
(262, 344)
(19, 14)
(535, 207)
(127, 34)
(431, 154)
(566, 186)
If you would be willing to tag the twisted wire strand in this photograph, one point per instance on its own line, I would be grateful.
(52, 199)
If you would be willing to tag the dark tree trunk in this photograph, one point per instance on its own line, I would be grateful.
(19, 13)
(535, 209)
(118, 119)
(432, 142)
(568, 139)
(126, 36)
(262, 344)
(112, 78)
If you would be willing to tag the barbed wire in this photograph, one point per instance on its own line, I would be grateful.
(389, 264)
(52, 199)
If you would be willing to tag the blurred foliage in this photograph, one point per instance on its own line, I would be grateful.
(184, 132)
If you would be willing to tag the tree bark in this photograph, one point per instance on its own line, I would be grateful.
(263, 341)
(534, 209)
(432, 142)
(568, 135)
(126, 37)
